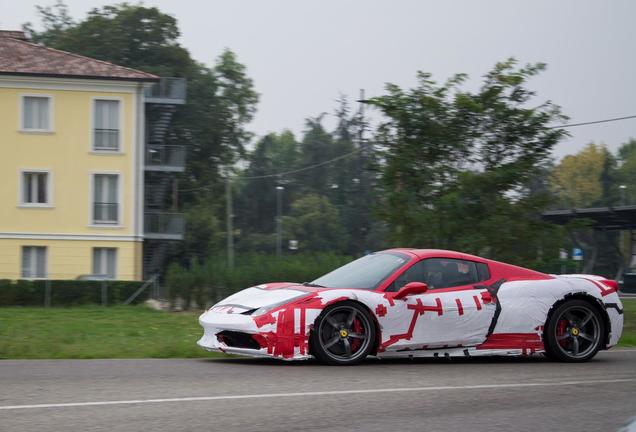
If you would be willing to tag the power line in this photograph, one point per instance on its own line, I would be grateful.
(592, 122)
(281, 174)
(310, 167)
(285, 173)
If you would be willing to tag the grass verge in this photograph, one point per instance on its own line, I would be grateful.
(84, 332)
(128, 332)
(629, 329)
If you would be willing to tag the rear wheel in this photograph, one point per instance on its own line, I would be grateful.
(343, 334)
(574, 332)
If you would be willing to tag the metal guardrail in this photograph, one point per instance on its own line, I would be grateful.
(105, 294)
(161, 157)
(154, 280)
(168, 91)
(161, 225)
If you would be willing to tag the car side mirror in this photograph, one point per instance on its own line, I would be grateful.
(411, 288)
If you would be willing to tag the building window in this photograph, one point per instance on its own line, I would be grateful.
(106, 199)
(33, 262)
(106, 131)
(35, 188)
(104, 262)
(36, 113)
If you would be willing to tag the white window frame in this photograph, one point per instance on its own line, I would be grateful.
(51, 118)
(49, 188)
(120, 202)
(120, 138)
(33, 264)
(104, 260)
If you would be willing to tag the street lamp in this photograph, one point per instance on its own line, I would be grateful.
(279, 220)
(622, 189)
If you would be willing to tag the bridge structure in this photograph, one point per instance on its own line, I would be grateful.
(618, 218)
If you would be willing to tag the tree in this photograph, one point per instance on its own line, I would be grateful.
(128, 35)
(256, 194)
(346, 182)
(626, 174)
(315, 147)
(56, 20)
(315, 223)
(584, 179)
(462, 168)
(354, 181)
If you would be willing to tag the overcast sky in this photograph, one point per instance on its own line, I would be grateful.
(302, 55)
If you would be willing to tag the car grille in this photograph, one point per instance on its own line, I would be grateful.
(237, 339)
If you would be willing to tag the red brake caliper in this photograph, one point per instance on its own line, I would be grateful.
(560, 331)
(357, 328)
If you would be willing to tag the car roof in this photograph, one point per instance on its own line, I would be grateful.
(439, 253)
(501, 268)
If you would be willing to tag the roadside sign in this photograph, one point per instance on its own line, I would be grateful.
(577, 254)
(563, 254)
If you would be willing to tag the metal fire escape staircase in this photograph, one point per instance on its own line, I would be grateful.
(162, 225)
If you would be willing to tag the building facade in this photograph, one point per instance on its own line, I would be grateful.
(72, 165)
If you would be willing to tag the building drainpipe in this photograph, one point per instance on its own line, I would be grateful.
(139, 177)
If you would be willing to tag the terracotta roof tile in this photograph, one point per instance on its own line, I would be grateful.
(20, 57)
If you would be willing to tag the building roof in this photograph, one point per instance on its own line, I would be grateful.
(18, 56)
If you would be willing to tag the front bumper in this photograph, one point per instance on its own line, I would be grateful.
(214, 323)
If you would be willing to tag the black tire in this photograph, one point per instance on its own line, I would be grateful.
(343, 334)
(575, 332)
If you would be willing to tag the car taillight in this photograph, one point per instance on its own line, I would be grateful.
(610, 283)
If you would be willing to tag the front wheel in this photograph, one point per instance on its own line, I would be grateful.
(343, 334)
(574, 332)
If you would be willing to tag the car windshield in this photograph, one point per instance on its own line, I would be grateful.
(367, 272)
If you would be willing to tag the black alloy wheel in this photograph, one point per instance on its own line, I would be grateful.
(343, 334)
(575, 332)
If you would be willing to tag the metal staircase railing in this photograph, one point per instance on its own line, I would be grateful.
(168, 90)
(161, 227)
(161, 157)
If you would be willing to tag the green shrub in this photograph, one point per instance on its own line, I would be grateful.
(66, 292)
(211, 281)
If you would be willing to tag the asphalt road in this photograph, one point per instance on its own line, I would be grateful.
(263, 395)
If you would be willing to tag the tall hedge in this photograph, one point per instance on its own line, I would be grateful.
(66, 292)
(208, 282)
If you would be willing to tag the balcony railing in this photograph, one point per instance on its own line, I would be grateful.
(161, 157)
(106, 139)
(105, 213)
(167, 226)
(167, 91)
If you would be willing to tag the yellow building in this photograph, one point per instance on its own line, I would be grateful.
(72, 165)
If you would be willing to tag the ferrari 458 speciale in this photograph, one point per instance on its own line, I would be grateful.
(419, 303)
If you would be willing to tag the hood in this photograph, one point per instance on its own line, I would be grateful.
(261, 296)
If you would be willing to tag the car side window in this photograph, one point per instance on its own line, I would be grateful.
(483, 272)
(448, 272)
(442, 273)
(415, 273)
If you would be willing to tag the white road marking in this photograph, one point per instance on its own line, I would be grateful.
(318, 393)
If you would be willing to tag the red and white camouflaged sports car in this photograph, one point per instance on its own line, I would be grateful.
(419, 303)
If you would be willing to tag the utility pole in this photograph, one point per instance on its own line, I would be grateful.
(362, 165)
(279, 220)
(228, 220)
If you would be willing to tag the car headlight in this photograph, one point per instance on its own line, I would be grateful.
(264, 309)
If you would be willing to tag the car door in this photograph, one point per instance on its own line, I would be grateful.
(457, 310)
